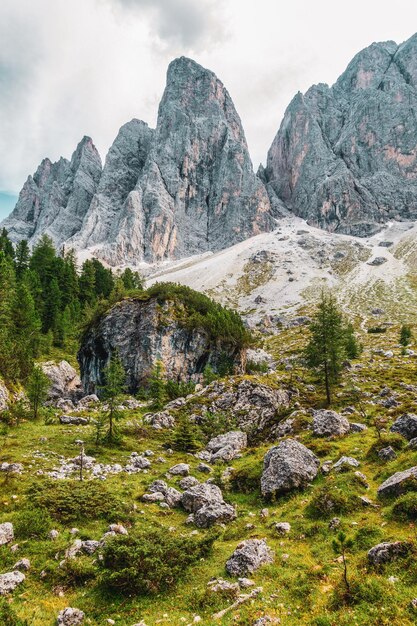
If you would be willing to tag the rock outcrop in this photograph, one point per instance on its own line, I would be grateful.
(345, 156)
(143, 331)
(398, 483)
(64, 380)
(185, 188)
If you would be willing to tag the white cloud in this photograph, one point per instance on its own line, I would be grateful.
(87, 66)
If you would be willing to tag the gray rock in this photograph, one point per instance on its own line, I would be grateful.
(282, 528)
(172, 497)
(64, 380)
(329, 424)
(6, 533)
(11, 468)
(345, 462)
(335, 160)
(357, 428)
(387, 454)
(73, 420)
(227, 446)
(145, 331)
(9, 581)
(248, 557)
(188, 482)
(215, 513)
(396, 484)
(412, 444)
(159, 420)
(406, 425)
(22, 565)
(378, 260)
(70, 617)
(201, 495)
(288, 466)
(387, 552)
(181, 469)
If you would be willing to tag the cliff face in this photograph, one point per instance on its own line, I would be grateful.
(185, 188)
(345, 157)
(143, 331)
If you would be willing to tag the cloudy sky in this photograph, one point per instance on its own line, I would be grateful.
(70, 68)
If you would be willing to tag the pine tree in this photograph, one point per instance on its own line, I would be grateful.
(37, 389)
(341, 546)
(8, 364)
(184, 438)
(352, 347)
(26, 329)
(6, 245)
(326, 349)
(114, 387)
(405, 335)
(22, 258)
(87, 283)
(104, 281)
(131, 280)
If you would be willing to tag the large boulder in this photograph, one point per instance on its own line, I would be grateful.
(205, 502)
(215, 513)
(406, 425)
(9, 581)
(330, 424)
(144, 331)
(227, 446)
(386, 552)
(248, 557)
(288, 466)
(398, 483)
(6, 533)
(64, 380)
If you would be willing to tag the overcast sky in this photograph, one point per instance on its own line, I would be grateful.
(70, 68)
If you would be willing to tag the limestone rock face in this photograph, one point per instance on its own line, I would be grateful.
(185, 188)
(56, 198)
(143, 332)
(345, 156)
(64, 380)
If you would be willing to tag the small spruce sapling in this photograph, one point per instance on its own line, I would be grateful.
(342, 545)
(405, 337)
(114, 387)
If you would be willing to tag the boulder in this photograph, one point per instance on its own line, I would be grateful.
(6, 533)
(9, 581)
(387, 454)
(70, 617)
(345, 462)
(63, 378)
(201, 495)
(282, 528)
(248, 557)
(215, 513)
(4, 396)
(288, 466)
(160, 420)
(330, 424)
(355, 427)
(73, 420)
(181, 469)
(188, 482)
(396, 484)
(387, 552)
(170, 495)
(405, 425)
(227, 446)
(23, 565)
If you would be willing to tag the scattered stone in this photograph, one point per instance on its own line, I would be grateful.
(282, 528)
(160, 420)
(70, 617)
(216, 513)
(387, 454)
(396, 484)
(188, 482)
(387, 552)
(205, 502)
(73, 420)
(344, 463)
(248, 557)
(378, 260)
(288, 466)
(406, 425)
(355, 427)
(6, 533)
(203, 467)
(11, 468)
(53, 534)
(329, 424)
(118, 529)
(22, 565)
(334, 523)
(9, 581)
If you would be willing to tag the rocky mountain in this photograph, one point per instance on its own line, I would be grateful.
(345, 157)
(55, 199)
(185, 188)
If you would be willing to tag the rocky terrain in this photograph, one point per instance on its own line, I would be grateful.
(186, 187)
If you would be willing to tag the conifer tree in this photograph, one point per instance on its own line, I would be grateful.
(114, 387)
(26, 329)
(157, 388)
(37, 389)
(405, 335)
(87, 283)
(22, 258)
(326, 349)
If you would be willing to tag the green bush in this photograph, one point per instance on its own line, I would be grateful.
(151, 561)
(405, 508)
(78, 571)
(179, 389)
(74, 500)
(184, 437)
(331, 500)
(8, 617)
(213, 424)
(374, 330)
(261, 367)
(247, 479)
(33, 522)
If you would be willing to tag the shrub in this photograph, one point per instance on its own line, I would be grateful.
(213, 424)
(258, 366)
(330, 500)
(71, 501)
(8, 617)
(77, 571)
(247, 479)
(33, 522)
(179, 389)
(150, 561)
(373, 330)
(405, 508)
(185, 436)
